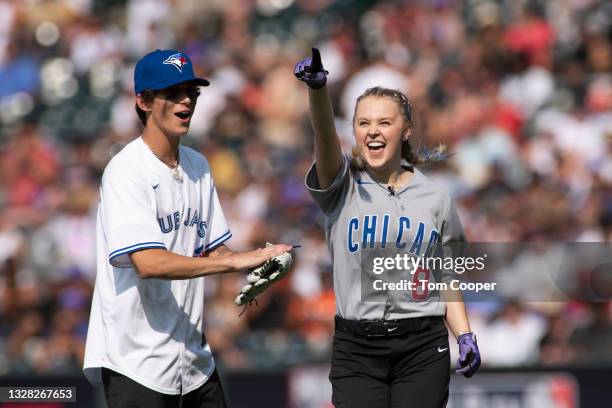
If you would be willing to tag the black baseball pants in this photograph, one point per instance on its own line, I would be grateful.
(407, 370)
(123, 392)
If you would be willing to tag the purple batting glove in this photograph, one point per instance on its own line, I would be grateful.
(469, 356)
(310, 70)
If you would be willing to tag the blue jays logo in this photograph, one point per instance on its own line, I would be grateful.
(177, 60)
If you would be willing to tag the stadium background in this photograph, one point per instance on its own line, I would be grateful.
(520, 92)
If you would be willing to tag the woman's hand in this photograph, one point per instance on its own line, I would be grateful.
(469, 355)
(310, 70)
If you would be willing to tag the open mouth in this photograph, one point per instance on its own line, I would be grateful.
(183, 115)
(376, 146)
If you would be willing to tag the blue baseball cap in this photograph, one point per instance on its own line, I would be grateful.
(163, 68)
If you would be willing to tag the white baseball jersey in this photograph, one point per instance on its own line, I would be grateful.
(150, 330)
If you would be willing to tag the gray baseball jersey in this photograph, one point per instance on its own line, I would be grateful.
(364, 218)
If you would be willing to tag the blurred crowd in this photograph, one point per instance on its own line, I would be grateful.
(519, 92)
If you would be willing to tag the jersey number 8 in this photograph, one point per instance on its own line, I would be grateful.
(420, 289)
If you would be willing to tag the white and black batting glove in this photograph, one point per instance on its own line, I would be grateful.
(261, 278)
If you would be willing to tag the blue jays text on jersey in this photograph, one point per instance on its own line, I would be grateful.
(366, 231)
(171, 222)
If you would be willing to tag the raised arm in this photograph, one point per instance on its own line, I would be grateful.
(328, 154)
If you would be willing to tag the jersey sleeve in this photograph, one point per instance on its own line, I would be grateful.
(218, 230)
(331, 198)
(128, 216)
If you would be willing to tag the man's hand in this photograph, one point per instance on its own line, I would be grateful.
(469, 355)
(261, 278)
(310, 70)
(252, 259)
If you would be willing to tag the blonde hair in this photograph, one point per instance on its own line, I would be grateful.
(413, 159)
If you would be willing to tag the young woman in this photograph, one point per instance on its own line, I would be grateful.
(385, 354)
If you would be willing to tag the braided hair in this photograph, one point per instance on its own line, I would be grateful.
(405, 107)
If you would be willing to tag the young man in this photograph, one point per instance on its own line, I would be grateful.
(160, 229)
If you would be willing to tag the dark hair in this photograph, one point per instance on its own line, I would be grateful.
(406, 110)
(147, 96)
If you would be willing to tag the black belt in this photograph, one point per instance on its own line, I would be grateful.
(386, 328)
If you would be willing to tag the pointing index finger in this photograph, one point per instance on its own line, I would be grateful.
(316, 60)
